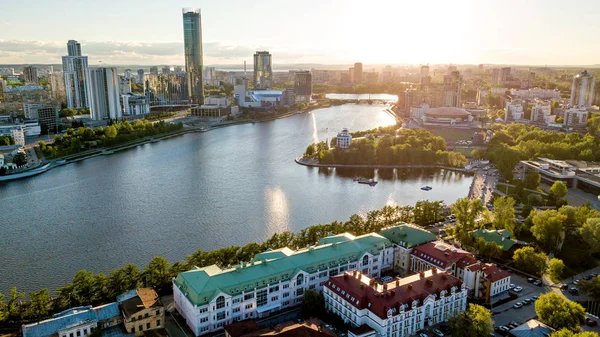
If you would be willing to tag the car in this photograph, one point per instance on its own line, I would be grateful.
(530, 280)
(438, 333)
(576, 281)
(423, 335)
(573, 291)
(537, 283)
(564, 286)
(594, 274)
(518, 289)
(512, 285)
(587, 277)
(590, 322)
(517, 305)
(513, 324)
(526, 301)
(504, 328)
(533, 298)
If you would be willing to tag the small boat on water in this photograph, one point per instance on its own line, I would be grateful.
(426, 188)
(366, 181)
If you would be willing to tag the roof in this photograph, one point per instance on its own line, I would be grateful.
(362, 292)
(201, 285)
(531, 328)
(494, 273)
(440, 254)
(310, 328)
(407, 235)
(146, 298)
(71, 317)
(361, 330)
(500, 237)
(447, 112)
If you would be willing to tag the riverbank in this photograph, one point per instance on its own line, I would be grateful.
(312, 162)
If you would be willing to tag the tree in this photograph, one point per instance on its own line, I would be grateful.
(569, 333)
(157, 273)
(506, 159)
(504, 214)
(466, 211)
(20, 159)
(558, 312)
(591, 287)
(313, 304)
(558, 191)
(489, 250)
(529, 261)
(556, 267)
(590, 232)
(548, 229)
(83, 284)
(3, 309)
(310, 151)
(39, 303)
(476, 321)
(532, 180)
(13, 305)
(110, 131)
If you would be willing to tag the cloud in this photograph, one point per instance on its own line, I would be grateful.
(135, 52)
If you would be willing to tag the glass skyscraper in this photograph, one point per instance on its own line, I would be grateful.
(263, 71)
(192, 38)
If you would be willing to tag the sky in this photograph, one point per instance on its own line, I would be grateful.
(149, 32)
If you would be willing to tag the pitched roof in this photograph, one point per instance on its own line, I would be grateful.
(531, 328)
(500, 237)
(440, 254)
(494, 273)
(201, 285)
(361, 292)
(71, 317)
(146, 298)
(407, 235)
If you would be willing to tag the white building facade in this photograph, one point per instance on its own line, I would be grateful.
(17, 132)
(344, 139)
(104, 93)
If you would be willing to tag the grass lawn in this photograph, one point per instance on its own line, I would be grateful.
(453, 134)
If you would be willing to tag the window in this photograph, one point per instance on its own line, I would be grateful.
(158, 322)
(236, 310)
(203, 319)
(312, 278)
(220, 302)
(249, 306)
(261, 298)
(140, 317)
(285, 286)
(78, 333)
(299, 279)
(220, 315)
(157, 312)
(312, 286)
(365, 260)
(140, 328)
(322, 274)
(148, 325)
(203, 310)
(274, 289)
(236, 300)
(85, 332)
(284, 295)
(146, 315)
(274, 298)
(300, 292)
(248, 296)
(132, 330)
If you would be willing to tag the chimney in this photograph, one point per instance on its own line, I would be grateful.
(422, 274)
(354, 273)
(397, 283)
(434, 271)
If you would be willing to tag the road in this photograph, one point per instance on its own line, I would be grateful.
(484, 184)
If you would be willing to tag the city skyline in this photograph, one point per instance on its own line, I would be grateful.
(463, 32)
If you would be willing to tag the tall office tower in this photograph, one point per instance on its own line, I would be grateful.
(75, 71)
(425, 78)
(166, 69)
(495, 76)
(140, 79)
(504, 75)
(153, 70)
(351, 75)
(73, 48)
(453, 89)
(303, 86)
(582, 90)
(263, 70)
(104, 93)
(127, 74)
(57, 84)
(30, 75)
(192, 36)
(358, 72)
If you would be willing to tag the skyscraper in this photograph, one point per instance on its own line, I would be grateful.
(30, 75)
(453, 89)
(140, 78)
(425, 78)
(303, 86)
(75, 69)
(358, 72)
(192, 36)
(263, 70)
(104, 93)
(582, 90)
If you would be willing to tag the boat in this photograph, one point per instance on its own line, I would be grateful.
(426, 188)
(366, 181)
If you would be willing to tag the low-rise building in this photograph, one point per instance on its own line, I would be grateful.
(311, 328)
(17, 132)
(396, 309)
(404, 238)
(215, 107)
(75, 322)
(501, 237)
(513, 111)
(141, 311)
(135, 105)
(575, 174)
(486, 281)
(344, 139)
(209, 298)
(531, 328)
(575, 117)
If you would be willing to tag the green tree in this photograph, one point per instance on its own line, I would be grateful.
(591, 287)
(558, 190)
(529, 261)
(532, 180)
(476, 321)
(504, 214)
(110, 131)
(558, 312)
(124, 279)
(157, 273)
(83, 284)
(14, 304)
(20, 159)
(39, 304)
(466, 212)
(556, 268)
(548, 229)
(506, 159)
(3, 309)
(310, 151)
(569, 333)
(590, 233)
(313, 304)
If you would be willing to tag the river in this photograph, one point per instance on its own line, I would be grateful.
(229, 186)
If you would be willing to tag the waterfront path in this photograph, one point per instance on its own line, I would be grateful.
(313, 162)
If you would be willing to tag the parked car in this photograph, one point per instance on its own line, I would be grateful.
(537, 283)
(526, 301)
(504, 328)
(573, 291)
(518, 289)
(513, 324)
(517, 305)
(512, 285)
(438, 333)
(534, 298)
(587, 277)
(590, 322)
(530, 280)
(576, 281)
(422, 334)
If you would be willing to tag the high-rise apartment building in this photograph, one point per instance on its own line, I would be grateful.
(104, 93)
(192, 36)
(75, 70)
(140, 78)
(425, 78)
(453, 89)
(358, 72)
(30, 75)
(582, 90)
(153, 70)
(263, 70)
(303, 86)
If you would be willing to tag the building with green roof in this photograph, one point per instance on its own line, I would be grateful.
(403, 238)
(501, 237)
(211, 297)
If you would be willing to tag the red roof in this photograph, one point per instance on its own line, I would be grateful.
(441, 254)
(493, 273)
(380, 298)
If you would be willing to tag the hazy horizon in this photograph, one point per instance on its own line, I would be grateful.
(149, 32)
